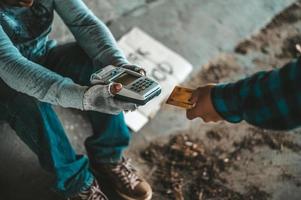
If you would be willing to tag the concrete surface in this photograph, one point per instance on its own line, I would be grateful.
(196, 29)
(108, 11)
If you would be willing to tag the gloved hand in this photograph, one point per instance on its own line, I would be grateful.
(100, 98)
(134, 68)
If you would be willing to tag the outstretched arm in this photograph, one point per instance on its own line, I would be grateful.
(269, 100)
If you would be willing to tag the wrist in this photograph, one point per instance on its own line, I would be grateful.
(225, 102)
(71, 96)
(92, 95)
(214, 113)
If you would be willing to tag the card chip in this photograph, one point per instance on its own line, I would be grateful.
(180, 97)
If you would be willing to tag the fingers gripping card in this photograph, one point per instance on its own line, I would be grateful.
(180, 97)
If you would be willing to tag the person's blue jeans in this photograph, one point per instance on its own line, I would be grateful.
(38, 126)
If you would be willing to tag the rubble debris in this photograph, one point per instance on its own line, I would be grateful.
(287, 176)
(218, 72)
(213, 135)
(244, 47)
(290, 16)
(254, 193)
(187, 170)
(277, 140)
(289, 48)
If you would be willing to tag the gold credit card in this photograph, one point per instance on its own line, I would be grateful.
(180, 97)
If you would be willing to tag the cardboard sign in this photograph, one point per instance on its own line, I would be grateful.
(160, 63)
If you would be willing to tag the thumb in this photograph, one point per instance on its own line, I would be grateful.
(195, 96)
(192, 113)
(115, 88)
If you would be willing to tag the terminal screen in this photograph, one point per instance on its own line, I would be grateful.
(125, 79)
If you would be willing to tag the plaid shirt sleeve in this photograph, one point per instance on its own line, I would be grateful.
(269, 100)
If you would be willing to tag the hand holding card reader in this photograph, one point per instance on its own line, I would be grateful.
(137, 88)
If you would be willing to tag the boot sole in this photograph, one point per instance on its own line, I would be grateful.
(125, 197)
(147, 197)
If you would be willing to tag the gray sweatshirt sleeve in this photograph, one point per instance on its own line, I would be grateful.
(35, 80)
(91, 34)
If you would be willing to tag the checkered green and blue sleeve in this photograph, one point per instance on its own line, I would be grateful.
(270, 100)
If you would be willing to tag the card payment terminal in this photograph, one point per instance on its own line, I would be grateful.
(137, 88)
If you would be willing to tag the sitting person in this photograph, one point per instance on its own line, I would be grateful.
(36, 73)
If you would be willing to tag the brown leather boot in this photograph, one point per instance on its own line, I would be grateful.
(92, 193)
(125, 180)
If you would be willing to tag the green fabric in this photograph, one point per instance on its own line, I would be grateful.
(270, 100)
(38, 126)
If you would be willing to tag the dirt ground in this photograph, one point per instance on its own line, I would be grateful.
(233, 161)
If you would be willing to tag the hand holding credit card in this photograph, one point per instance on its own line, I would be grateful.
(180, 97)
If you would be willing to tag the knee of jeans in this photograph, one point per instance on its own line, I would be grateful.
(109, 126)
(127, 137)
(26, 105)
(75, 61)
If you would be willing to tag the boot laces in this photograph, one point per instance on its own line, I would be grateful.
(127, 174)
(93, 193)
